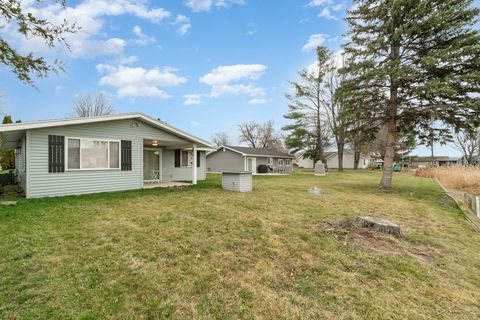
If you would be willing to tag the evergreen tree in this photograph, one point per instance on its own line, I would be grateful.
(28, 66)
(422, 57)
(7, 157)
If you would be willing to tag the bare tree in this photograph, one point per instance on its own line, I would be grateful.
(334, 109)
(220, 139)
(309, 131)
(468, 143)
(90, 106)
(260, 136)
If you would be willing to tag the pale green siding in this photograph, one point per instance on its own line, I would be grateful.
(225, 160)
(41, 183)
(20, 154)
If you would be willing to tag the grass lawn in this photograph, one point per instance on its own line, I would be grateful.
(205, 253)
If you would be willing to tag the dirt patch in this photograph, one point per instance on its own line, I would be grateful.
(368, 240)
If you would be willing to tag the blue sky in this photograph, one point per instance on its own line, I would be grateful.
(201, 65)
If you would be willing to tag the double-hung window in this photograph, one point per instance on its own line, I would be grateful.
(187, 158)
(288, 162)
(280, 162)
(270, 161)
(92, 154)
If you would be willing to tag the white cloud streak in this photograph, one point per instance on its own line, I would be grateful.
(206, 5)
(142, 39)
(193, 99)
(183, 24)
(314, 41)
(89, 16)
(235, 79)
(139, 82)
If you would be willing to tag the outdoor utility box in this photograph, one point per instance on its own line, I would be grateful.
(237, 181)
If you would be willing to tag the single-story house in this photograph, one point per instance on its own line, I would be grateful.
(437, 161)
(233, 158)
(331, 159)
(104, 153)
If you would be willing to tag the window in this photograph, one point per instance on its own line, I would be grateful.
(114, 154)
(288, 162)
(270, 161)
(90, 154)
(187, 158)
(73, 154)
(280, 162)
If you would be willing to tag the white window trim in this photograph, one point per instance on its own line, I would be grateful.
(270, 161)
(108, 154)
(281, 162)
(288, 162)
(181, 159)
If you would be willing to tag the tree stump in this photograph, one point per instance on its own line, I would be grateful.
(378, 224)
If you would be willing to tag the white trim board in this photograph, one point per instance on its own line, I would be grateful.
(126, 116)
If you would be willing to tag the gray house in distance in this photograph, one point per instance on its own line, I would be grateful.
(100, 154)
(233, 158)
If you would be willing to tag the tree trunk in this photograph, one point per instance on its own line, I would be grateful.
(387, 176)
(386, 182)
(431, 152)
(356, 159)
(340, 148)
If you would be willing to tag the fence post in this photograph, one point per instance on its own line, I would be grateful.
(477, 205)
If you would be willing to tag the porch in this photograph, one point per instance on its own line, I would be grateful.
(171, 163)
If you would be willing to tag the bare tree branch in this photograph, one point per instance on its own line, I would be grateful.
(91, 106)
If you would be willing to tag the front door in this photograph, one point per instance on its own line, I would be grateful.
(151, 165)
(252, 165)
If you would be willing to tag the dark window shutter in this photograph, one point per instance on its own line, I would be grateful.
(177, 158)
(198, 158)
(56, 153)
(126, 146)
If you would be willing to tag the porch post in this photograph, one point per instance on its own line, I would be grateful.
(194, 164)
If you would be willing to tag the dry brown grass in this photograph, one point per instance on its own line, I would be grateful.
(458, 178)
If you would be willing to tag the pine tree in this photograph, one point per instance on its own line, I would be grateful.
(7, 157)
(28, 66)
(423, 57)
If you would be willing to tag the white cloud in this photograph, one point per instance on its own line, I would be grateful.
(142, 39)
(59, 88)
(338, 7)
(227, 79)
(317, 3)
(252, 29)
(127, 60)
(89, 17)
(206, 5)
(183, 23)
(139, 82)
(194, 124)
(226, 74)
(325, 13)
(314, 41)
(193, 99)
(257, 101)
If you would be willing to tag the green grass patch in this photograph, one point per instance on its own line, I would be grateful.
(206, 253)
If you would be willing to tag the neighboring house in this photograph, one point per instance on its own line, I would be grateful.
(104, 153)
(439, 161)
(331, 159)
(232, 158)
